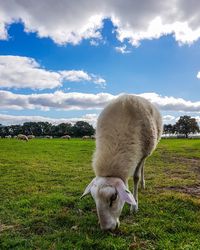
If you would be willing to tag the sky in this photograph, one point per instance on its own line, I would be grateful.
(64, 61)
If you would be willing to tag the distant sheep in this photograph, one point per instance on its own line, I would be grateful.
(93, 137)
(8, 136)
(22, 137)
(86, 137)
(48, 137)
(194, 136)
(68, 137)
(127, 132)
(30, 136)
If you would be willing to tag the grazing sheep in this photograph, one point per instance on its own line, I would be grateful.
(30, 136)
(22, 137)
(93, 137)
(48, 137)
(86, 137)
(127, 132)
(8, 136)
(194, 136)
(68, 137)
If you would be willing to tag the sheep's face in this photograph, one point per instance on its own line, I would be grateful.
(109, 194)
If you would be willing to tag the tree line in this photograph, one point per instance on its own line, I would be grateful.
(185, 125)
(79, 129)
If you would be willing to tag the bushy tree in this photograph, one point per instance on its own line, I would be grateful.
(168, 129)
(62, 129)
(82, 128)
(186, 125)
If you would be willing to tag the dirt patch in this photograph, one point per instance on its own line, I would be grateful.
(177, 174)
(193, 164)
(186, 161)
(193, 190)
(182, 160)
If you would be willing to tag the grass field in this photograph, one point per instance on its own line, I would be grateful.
(41, 182)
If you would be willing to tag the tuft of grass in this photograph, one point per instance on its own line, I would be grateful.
(40, 208)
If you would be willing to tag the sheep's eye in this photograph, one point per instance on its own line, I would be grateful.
(113, 198)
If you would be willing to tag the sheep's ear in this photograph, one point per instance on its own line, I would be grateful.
(88, 188)
(125, 195)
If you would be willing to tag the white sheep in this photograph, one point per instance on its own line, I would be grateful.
(68, 137)
(127, 132)
(48, 137)
(8, 136)
(86, 137)
(30, 136)
(22, 137)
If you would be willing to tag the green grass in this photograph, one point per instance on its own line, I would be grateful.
(41, 182)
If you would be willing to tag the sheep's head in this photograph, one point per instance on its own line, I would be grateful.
(110, 194)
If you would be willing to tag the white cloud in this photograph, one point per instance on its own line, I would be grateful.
(198, 75)
(14, 119)
(122, 49)
(197, 118)
(25, 72)
(168, 119)
(6, 119)
(75, 75)
(56, 100)
(134, 20)
(83, 101)
(80, 75)
(170, 103)
(94, 42)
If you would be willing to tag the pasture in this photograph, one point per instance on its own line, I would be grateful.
(41, 182)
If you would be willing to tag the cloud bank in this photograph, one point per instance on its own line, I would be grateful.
(90, 118)
(14, 119)
(60, 100)
(25, 72)
(134, 20)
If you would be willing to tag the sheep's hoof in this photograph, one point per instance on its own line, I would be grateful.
(134, 208)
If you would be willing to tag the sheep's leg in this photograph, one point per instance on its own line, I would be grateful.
(142, 176)
(136, 178)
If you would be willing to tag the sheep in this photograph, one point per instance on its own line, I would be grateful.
(93, 137)
(22, 137)
(194, 136)
(68, 137)
(128, 130)
(30, 136)
(8, 136)
(48, 137)
(86, 137)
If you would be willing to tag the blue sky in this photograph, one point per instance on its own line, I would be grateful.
(47, 74)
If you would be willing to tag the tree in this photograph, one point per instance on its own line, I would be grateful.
(186, 125)
(64, 129)
(37, 128)
(82, 128)
(168, 129)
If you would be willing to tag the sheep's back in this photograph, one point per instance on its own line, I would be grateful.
(128, 129)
